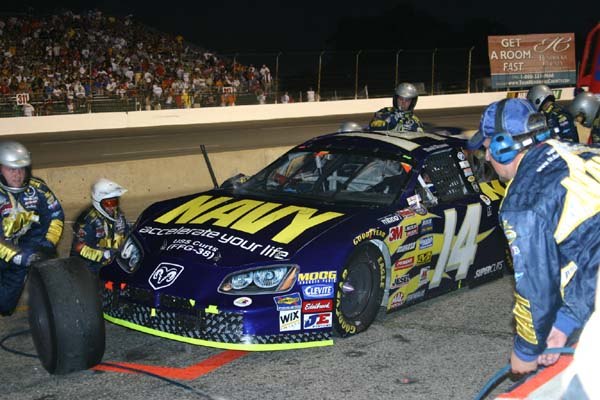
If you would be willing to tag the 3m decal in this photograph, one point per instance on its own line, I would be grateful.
(247, 215)
(458, 253)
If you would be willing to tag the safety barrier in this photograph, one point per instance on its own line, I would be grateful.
(139, 119)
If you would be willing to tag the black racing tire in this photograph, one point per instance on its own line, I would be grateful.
(360, 289)
(65, 315)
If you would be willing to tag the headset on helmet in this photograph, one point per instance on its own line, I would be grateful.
(505, 147)
(105, 189)
(349, 127)
(587, 106)
(407, 91)
(15, 155)
(538, 94)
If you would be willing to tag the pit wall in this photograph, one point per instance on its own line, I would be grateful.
(139, 119)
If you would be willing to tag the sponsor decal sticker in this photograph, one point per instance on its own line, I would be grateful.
(164, 275)
(425, 242)
(464, 164)
(424, 258)
(370, 234)
(313, 306)
(242, 301)
(406, 213)
(318, 291)
(426, 225)
(406, 247)
(397, 300)
(423, 276)
(404, 263)
(316, 321)
(291, 301)
(488, 269)
(400, 281)
(289, 320)
(485, 199)
(416, 295)
(395, 233)
(411, 230)
(247, 215)
(317, 277)
(461, 156)
(389, 219)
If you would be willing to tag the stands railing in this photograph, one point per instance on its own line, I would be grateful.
(330, 75)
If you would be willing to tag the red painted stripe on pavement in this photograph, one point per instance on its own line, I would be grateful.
(539, 379)
(187, 373)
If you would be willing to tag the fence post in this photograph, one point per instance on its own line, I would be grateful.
(356, 76)
(396, 69)
(319, 77)
(433, 69)
(277, 77)
(469, 71)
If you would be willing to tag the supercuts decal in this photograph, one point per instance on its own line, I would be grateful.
(247, 215)
(164, 275)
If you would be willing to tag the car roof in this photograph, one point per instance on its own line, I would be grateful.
(403, 142)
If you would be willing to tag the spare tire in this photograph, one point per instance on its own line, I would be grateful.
(65, 315)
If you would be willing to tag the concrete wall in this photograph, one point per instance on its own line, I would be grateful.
(138, 119)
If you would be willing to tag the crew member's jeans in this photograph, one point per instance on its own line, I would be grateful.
(12, 280)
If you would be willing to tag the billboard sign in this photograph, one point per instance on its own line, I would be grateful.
(527, 60)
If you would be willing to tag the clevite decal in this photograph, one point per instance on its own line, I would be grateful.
(247, 215)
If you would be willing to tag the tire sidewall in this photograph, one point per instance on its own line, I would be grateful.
(344, 325)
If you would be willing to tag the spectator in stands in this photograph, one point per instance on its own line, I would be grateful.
(31, 219)
(100, 230)
(28, 110)
(399, 117)
(310, 94)
(559, 119)
(285, 98)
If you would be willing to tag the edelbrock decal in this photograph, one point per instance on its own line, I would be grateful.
(164, 275)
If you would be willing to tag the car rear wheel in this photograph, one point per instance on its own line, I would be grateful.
(65, 315)
(359, 292)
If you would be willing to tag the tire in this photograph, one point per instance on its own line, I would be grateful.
(65, 315)
(359, 292)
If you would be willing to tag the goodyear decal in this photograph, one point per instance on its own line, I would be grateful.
(247, 215)
(524, 320)
(368, 235)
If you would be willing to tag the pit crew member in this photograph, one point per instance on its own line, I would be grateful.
(399, 117)
(550, 219)
(558, 119)
(32, 222)
(586, 109)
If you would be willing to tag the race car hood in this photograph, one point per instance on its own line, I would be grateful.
(220, 229)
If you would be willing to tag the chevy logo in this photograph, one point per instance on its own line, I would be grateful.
(164, 275)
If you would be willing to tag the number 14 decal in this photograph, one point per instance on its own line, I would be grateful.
(457, 253)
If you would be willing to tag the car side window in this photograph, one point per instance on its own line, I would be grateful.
(443, 178)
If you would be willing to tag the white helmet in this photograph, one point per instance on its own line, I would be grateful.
(586, 105)
(349, 127)
(406, 91)
(15, 155)
(538, 94)
(105, 189)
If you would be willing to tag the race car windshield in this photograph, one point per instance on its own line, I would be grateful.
(333, 176)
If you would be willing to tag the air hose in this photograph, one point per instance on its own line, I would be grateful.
(503, 372)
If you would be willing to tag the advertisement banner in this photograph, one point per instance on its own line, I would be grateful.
(520, 61)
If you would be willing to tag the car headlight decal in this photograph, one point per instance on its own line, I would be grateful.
(130, 255)
(271, 279)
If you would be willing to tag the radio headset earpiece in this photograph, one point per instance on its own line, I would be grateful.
(503, 146)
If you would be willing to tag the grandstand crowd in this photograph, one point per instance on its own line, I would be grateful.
(66, 62)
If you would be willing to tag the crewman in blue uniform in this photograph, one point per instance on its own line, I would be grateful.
(101, 229)
(32, 222)
(550, 217)
(557, 118)
(400, 117)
